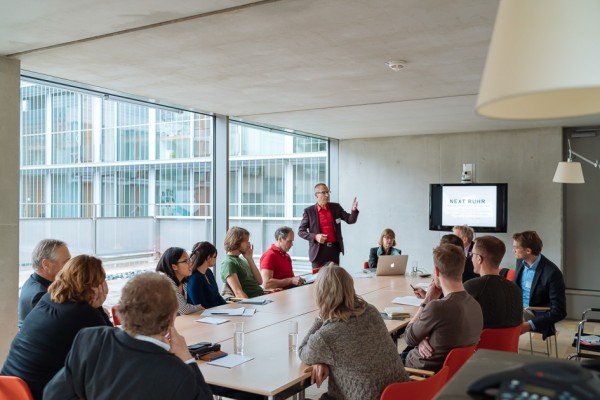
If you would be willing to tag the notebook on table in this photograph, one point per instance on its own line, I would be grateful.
(391, 265)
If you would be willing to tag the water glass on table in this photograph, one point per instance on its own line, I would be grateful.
(293, 335)
(238, 338)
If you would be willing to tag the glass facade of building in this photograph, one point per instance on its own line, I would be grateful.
(89, 157)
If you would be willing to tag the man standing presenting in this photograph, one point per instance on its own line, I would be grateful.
(49, 256)
(501, 300)
(441, 325)
(276, 264)
(321, 226)
(466, 234)
(542, 284)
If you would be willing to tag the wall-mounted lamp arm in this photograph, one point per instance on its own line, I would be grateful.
(595, 164)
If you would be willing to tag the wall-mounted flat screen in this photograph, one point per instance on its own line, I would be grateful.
(482, 206)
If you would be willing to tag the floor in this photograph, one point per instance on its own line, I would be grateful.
(566, 331)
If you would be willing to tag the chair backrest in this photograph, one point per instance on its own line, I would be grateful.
(510, 275)
(457, 357)
(417, 390)
(113, 311)
(14, 388)
(502, 339)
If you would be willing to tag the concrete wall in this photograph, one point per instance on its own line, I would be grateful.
(391, 177)
(9, 200)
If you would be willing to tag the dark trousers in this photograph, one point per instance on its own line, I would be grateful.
(326, 255)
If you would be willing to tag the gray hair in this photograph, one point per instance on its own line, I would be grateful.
(45, 249)
(282, 232)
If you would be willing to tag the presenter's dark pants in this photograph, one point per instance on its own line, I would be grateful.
(328, 252)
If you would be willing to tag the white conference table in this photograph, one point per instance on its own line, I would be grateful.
(275, 372)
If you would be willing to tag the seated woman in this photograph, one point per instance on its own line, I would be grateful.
(239, 273)
(73, 302)
(148, 359)
(350, 338)
(202, 287)
(387, 241)
(176, 264)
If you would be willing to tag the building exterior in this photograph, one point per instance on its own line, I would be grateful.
(118, 178)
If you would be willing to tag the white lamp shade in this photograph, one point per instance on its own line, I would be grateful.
(543, 61)
(568, 172)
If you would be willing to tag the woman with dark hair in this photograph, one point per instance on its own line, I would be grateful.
(73, 302)
(176, 264)
(202, 286)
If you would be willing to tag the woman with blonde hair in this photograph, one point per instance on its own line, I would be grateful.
(73, 302)
(349, 342)
(387, 241)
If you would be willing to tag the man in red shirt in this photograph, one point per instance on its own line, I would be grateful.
(322, 226)
(276, 263)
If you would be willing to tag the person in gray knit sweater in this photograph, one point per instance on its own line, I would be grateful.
(348, 342)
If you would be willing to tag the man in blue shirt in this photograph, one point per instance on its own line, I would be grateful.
(541, 282)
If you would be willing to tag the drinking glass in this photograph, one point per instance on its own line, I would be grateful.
(238, 338)
(293, 335)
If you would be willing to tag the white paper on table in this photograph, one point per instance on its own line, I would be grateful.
(224, 311)
(408, 300)
(358, 275)
(212, 320)
(248, 312)
(255, 301)
(230, 360)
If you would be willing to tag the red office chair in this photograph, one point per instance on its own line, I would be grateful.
(457, 358)
(113, 311)
(417, 390)
(454, 361)
(502, 339)
(14, 388)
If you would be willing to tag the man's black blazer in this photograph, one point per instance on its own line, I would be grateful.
(547, 290)
(469, 271)
(309, 226)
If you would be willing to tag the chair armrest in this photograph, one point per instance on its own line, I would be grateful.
(233, 299)
(538, 308)
(418, 374)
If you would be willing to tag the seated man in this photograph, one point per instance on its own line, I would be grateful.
(49, 256)
(276, 264)
(241, 277)
(148, 359)
(542, 284)
(501, 300)
(450, 322)
(466, 234)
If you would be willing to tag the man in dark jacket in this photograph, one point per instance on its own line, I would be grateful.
(541, 282)
(322, 226)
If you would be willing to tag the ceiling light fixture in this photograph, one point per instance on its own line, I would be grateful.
(543, 61)
(396, 65)
(570, 171)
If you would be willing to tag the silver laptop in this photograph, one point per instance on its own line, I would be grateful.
(391, 265)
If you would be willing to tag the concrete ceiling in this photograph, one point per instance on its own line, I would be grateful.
(316, 66)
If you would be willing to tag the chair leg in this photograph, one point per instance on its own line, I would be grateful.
(555, 346)
(531, 342)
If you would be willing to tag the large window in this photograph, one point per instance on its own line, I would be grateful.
(120, 178)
